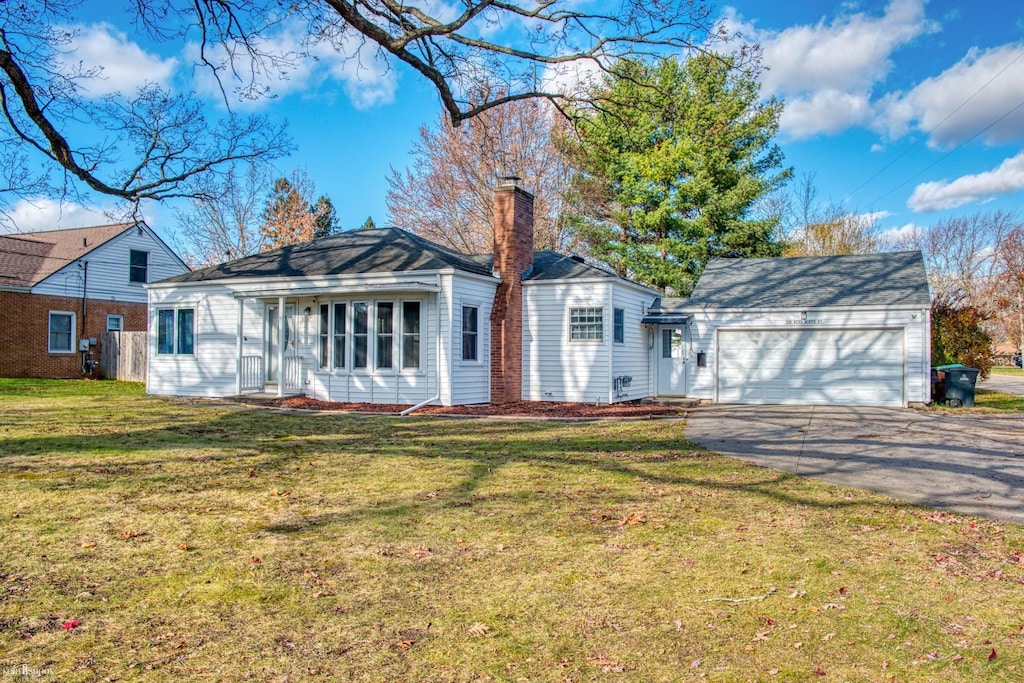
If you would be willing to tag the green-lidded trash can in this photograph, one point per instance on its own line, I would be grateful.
(960, 381)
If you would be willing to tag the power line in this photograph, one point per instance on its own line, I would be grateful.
(933, 129)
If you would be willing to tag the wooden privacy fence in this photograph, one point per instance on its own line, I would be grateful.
(123, 356)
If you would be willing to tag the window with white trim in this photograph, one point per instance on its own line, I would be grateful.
(324, 335)
(360, 333)
(62, 332)
(586, 324)
(385, 330)
(619, 326)
(339, 335)
(410, 335)
(470, 333)
(175, 331)
(115, 323)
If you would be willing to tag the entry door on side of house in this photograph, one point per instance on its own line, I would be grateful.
(273, 327)
(672, 360)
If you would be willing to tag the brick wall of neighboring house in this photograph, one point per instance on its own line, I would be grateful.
(513, 255)
(25, 328)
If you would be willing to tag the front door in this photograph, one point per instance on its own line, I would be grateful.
(672, 360)
(272, 335)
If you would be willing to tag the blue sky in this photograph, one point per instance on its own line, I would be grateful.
(909, 110)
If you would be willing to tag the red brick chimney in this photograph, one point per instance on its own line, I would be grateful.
(513, 258)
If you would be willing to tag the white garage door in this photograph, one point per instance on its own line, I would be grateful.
(811, 367)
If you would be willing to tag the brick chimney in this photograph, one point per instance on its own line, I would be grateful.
(513, 258)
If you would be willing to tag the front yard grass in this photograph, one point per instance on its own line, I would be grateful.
(146, 539)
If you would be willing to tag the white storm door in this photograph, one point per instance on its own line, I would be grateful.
(271, 335)
(672, 360)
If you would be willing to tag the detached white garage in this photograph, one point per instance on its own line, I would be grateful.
(840, 330)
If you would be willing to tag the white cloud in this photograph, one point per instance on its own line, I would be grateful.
(572, 78)
(900, 235)
(822, 68)
(955, 93)
(122, 65)
(353, 63)
(42, 213)
(824, 112)
(1007, 178)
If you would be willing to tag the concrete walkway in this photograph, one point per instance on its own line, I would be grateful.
(971, 464)
(1008, 384)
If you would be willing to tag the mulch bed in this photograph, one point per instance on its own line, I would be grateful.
(627, 409)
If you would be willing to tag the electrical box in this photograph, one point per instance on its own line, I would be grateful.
(83, 344)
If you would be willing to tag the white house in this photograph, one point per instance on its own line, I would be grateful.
(384, 316)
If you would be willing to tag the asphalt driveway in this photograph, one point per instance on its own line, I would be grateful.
(971, 464)
(1008, 384)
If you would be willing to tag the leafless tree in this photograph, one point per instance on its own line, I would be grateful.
(152, 144)
(222, 222)
(1008, 286)
(447, 193)
(58, 138)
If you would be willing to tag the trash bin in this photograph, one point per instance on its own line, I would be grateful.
(960, 383)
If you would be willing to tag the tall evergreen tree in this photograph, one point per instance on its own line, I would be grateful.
(325, 218)
(674, 158)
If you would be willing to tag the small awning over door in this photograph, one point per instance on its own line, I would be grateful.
(665, 318)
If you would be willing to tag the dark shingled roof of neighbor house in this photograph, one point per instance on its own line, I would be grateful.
(379, 250)
(895, 278)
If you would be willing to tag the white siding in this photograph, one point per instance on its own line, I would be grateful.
(471, 380)
(210, 371)
(632, 358)
(108, 269)
(912, 322)
(555, 369)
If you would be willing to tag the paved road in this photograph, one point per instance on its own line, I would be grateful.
(972, 464)
(1008, 384)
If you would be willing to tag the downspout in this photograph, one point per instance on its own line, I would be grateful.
(437, 358)
(85, 309)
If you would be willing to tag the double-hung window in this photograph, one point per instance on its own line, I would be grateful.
(619, 326)
(385, 334)
(360, 333)
(470, 333)
(339, 335)
(115, 323)
(175, 331)
(410, 335)
(324, 335)
(586, 324)
(62, 332)
(138, 266)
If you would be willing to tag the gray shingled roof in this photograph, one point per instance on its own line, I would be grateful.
(27, 259)
(380, 250)
(896, 278)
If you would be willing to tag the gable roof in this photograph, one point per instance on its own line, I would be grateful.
(895, 278)
(380, 250)
(26, 259)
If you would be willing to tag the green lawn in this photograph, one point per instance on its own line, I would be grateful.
(1000, 370)
(195, 540)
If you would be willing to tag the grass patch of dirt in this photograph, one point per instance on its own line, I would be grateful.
(147, 539)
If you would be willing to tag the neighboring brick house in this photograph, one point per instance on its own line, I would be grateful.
(60, 290)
